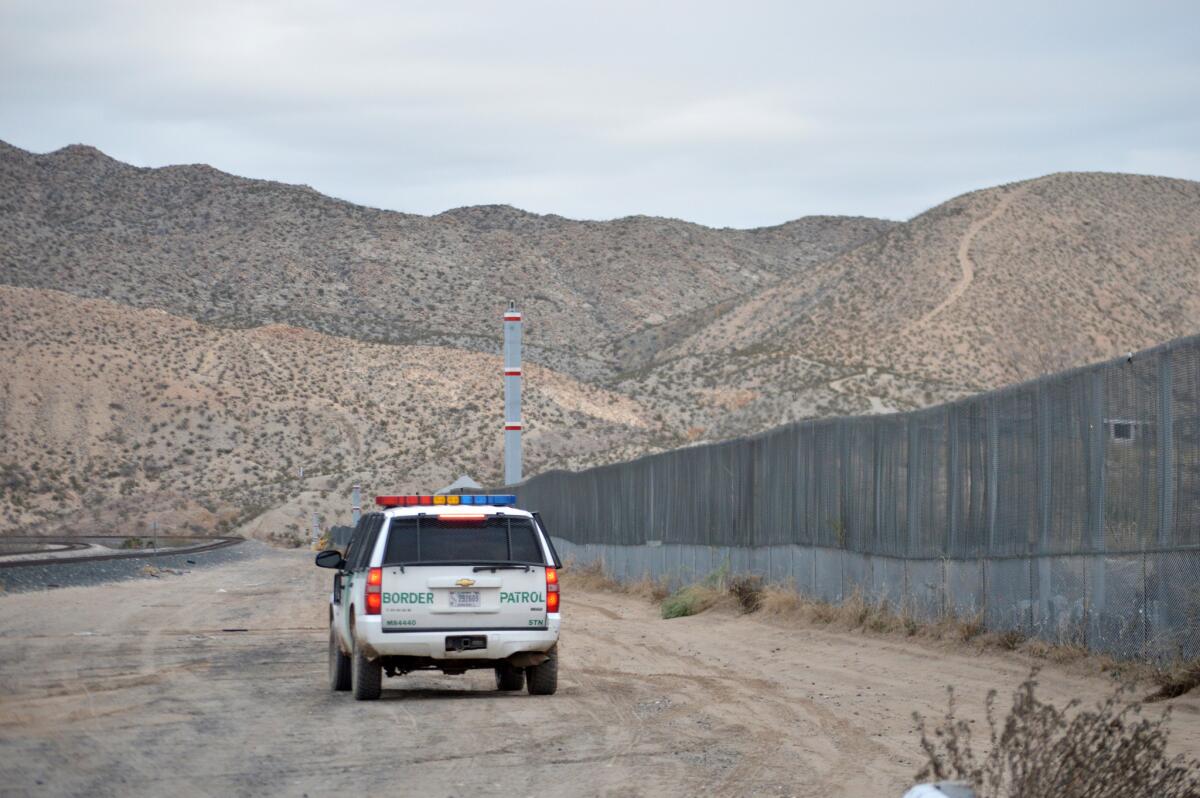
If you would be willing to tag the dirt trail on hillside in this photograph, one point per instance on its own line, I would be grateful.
(965, 264)
(138, 688)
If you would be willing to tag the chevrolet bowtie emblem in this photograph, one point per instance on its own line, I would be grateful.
(464, 582)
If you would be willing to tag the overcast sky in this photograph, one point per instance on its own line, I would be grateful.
(730, 114)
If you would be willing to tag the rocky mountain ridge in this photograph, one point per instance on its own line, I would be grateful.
(180, 337)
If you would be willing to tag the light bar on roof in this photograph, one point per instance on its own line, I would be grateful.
(499, 500)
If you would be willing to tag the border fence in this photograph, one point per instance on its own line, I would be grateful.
(1066, 508)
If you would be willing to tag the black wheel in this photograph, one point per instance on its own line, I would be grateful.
(543, 679)
(509, 678)
(339, 664)
(366, 677)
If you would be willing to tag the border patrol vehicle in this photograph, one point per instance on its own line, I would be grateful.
(449, 583)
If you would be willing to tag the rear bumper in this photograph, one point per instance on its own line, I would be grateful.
(501, 643)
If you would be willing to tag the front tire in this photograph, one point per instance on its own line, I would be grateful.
(339, 664)
(543, 679)
(366, 677)
(509, 679)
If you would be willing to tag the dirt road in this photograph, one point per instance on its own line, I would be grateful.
(134, 688)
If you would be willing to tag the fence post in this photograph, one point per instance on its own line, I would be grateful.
(1166, 452)
(1151, 595)
(877, 472)
(953, 482)
(993, 470)
(1095, 464)
(1043, 446)
(914, 456)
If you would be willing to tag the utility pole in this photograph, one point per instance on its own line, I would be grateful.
(512, 395)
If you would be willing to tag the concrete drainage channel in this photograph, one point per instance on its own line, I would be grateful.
(47, 563)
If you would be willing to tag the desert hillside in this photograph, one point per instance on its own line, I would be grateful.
(232, 251)
(992, 287)
(133, 415)
(183, 338)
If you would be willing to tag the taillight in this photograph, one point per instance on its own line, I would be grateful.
(374, 591)
(552, 597)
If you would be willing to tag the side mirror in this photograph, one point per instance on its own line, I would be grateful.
(330, 558)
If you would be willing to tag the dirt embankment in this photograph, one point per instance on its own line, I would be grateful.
(143, 688)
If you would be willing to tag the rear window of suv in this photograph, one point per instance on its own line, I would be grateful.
(498, 539)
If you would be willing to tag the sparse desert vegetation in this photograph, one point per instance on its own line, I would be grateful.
(179, 343)
(1043, 750)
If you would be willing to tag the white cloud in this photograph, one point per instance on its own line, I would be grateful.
(728, 114)
(747, 120)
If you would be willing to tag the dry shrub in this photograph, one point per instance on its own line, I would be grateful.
(855, 610)
(594, 576)
(963, 629)
(824, 612)
(692, 600)
(1043, 751)
(747, 592)
(776, 600)
(1068, 652)
(648, 588)
(589, 576)
(882, 619)
(1010, 640)
(1175, 681)
(970, 628)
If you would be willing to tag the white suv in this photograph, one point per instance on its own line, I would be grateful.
(445, 583)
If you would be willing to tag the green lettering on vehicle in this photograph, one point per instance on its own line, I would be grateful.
(522, 597)
(407, 598)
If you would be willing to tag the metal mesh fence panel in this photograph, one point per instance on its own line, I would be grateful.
(1067, 507)
(1007, 602)
(888, 582)
(856, 575)
(964, 588)
(968, 523)
(804, 572)
(1181, 522)
(827, 572)
(1173, 604)
(926, 581)
(1115, 621)
(1130, 455)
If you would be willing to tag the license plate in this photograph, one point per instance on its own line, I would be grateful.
(464, 598)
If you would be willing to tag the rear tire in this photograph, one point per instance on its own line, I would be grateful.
(366, 677)
(339, 664)
(543, 679)
(509, 678)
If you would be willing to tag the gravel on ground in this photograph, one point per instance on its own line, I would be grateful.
(214, 682)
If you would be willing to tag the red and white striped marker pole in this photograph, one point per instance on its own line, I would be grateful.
(512, 395)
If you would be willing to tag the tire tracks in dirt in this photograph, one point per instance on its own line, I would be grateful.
(153, 700)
